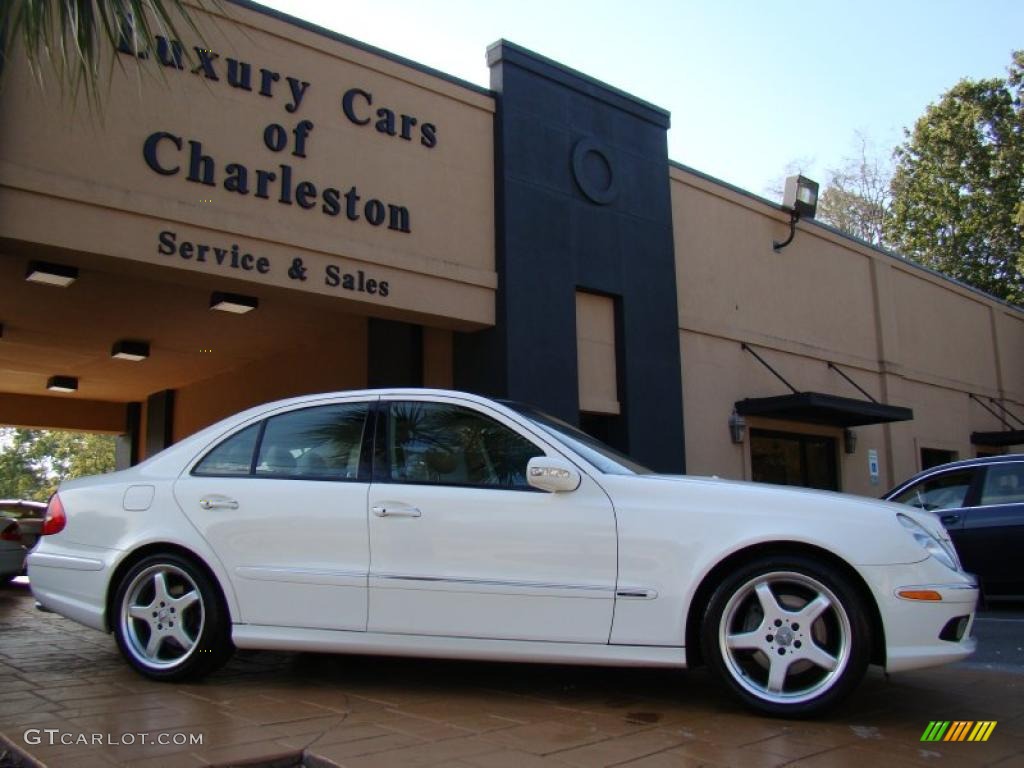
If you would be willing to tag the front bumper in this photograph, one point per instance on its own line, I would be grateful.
(918, 632)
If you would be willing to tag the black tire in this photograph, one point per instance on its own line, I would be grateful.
(789, 635)
(170, 619)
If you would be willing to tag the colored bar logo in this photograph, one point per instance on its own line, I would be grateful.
(958, 730)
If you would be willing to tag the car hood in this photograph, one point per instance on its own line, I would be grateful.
(809, 495)
(813, 499)
(791, 508)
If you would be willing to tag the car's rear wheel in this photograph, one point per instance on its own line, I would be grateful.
(789, 635)
(171, 622)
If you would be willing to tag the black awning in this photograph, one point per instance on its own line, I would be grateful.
(819, 408)
(1000, 439)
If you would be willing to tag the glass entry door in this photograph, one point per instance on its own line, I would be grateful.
(786, 458)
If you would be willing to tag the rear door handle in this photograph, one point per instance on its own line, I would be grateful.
(218, 502)
(391, 510)
(950, 519)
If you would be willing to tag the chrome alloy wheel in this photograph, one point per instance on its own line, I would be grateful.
(785, 637)
(162, 616)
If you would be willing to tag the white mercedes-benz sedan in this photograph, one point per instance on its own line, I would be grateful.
(436, 523)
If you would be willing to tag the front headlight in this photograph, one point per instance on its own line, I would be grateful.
(942, 551)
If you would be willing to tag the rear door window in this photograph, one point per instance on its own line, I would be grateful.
(1004, 484)
(320, 443)
(232, 457)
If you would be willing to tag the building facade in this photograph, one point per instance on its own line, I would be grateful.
(367, 221)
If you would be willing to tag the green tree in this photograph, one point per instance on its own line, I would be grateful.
(856, 199)
(33, 462)
(959, 184)
(73, 35)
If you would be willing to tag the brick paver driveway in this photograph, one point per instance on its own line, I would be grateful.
(288, 709)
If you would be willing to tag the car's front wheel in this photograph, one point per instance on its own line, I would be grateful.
(171, 622)
(788, 634)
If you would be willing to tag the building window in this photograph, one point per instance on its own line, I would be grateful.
(785, 458)
(933, 457)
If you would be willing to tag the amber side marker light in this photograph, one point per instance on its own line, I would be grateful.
(919, 594)
(55, 519)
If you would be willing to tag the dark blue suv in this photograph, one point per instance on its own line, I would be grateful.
(981, 503)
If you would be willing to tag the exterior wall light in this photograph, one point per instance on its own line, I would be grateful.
(126, 349)
(45, 273)
(737, 427)
(801, 200)
(849, 441)
(233, 302)
(62, 384)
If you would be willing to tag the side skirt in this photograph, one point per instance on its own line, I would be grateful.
(373, 643)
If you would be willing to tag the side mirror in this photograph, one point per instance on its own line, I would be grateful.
(552, 474)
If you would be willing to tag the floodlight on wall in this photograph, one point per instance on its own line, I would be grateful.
(801, 200)
(62, 384)
(127, 349)
(47, 273)
(233, 302)
(849, 441)
(737, 427)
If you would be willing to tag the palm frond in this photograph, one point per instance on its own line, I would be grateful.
(73, 36)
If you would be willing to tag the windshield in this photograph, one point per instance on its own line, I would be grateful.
(604, 457)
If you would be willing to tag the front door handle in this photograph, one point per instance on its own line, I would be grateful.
(950, 519)
(218, 502)
(392, 510)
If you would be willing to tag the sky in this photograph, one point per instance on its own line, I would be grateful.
(755, 88)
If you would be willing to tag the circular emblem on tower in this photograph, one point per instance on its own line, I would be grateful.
(593, 170)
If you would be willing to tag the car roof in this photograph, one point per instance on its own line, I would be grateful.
(981, 461)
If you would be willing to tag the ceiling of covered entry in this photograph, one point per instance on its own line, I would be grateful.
(69, 331)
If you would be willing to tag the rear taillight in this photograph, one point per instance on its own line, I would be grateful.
(11, 532)
(55, 519)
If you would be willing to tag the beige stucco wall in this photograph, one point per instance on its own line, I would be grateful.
(336, 361)
(39, 412)
(905, 335)
(333, 361)
(77, 178)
